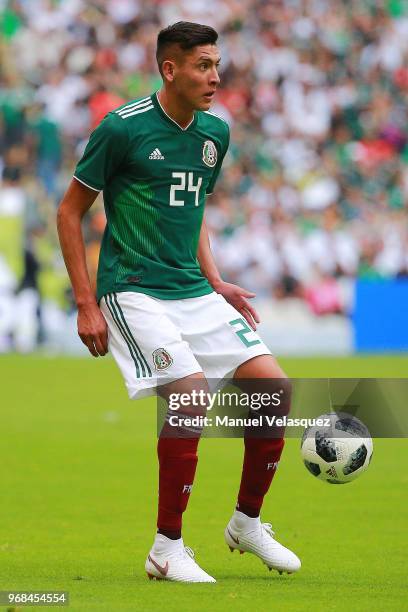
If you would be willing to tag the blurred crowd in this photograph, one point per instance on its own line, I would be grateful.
(314, 190)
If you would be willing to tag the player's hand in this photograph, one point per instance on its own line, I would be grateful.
(237, 297)
(92, 329)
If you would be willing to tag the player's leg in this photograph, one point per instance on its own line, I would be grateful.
(177, 453)
(223, 342)
(263, 449)
(261, 374)
(145, 341)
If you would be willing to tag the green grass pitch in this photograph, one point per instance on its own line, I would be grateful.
(78, 502)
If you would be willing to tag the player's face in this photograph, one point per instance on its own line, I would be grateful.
(196, 76)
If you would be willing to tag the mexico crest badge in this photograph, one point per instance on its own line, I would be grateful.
(209, 153)
(161, 359)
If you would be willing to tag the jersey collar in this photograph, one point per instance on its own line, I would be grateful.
(167, 117)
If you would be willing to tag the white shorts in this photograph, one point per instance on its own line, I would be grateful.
(156, 341)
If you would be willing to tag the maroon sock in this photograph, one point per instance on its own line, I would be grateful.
(260, 462)
(177, 462)
(172, 535)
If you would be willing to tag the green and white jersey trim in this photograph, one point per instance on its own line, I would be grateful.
(218, 117)
(171, 119)
(83, 183)
(142, 106)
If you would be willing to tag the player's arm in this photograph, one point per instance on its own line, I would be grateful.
(235, 295)
(92, 328)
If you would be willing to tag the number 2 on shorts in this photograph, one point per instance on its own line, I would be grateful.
(242, 332)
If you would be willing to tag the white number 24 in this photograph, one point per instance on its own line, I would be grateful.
(181, 186)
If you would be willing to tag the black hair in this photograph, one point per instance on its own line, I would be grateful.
(185, 34)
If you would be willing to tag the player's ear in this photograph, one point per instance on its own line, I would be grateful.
(168, 70)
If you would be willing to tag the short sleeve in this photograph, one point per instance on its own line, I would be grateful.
(105, 152)
(217, 168)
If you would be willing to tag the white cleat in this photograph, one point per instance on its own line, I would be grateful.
(248, 534)
(171, 560)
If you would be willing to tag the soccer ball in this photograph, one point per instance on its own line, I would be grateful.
(339, 450)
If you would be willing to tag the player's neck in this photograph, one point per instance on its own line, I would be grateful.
(174, 110)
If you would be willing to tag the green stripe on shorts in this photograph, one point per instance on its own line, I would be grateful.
(115, 317)
(134, 343)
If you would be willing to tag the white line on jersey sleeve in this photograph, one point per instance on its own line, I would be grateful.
(89, 187)
(136, 112)
(130, 107)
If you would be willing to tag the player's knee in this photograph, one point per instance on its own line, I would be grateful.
(285, 395)
(187, 396)
(279, 390)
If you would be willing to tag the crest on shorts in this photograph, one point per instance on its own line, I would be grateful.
(161, 359)
(209, 153)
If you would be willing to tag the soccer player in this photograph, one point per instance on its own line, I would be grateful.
(168, 318)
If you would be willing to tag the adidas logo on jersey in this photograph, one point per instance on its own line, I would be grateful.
(156, 154)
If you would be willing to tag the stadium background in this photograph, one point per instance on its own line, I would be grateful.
(311, 207)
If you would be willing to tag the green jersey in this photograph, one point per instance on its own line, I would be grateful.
(155, 176)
